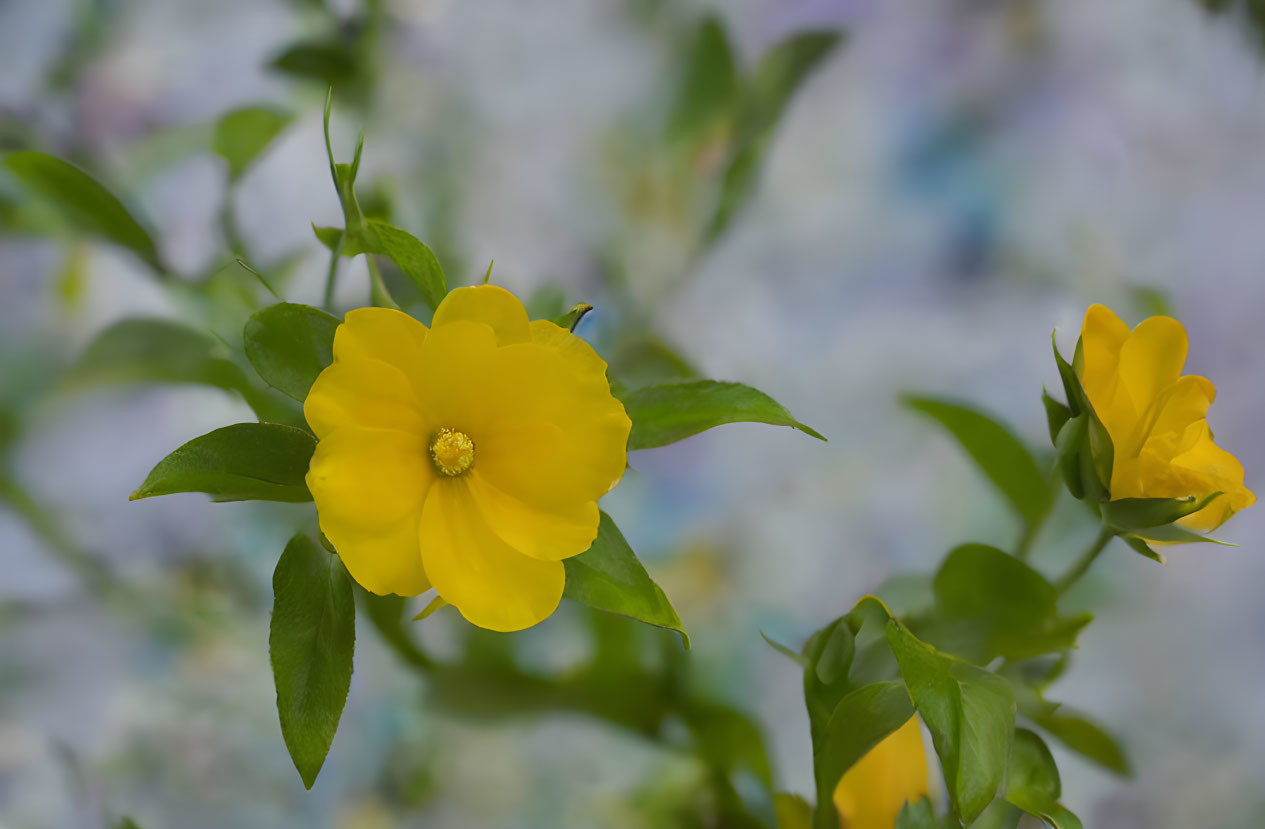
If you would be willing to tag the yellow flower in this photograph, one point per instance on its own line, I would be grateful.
(871, 793)
(1156, 417)
(467, 457)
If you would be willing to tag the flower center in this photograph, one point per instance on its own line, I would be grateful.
(452, 452)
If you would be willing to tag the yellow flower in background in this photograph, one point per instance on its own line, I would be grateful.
(467, 457)
(871, 793)
(1156, 417)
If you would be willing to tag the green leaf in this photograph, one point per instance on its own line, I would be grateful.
(710, 83)
(828, 656)
(671, 412)
(921, 814)
(790, 653)
(1143, 513)
(1032, 778)
(793, 811)
(243, 134)
(83, 201)
(310, 643)
(971, 715)
(1056, 414)
(832, 660)
(997, 452)
(1141, 547)
(1001, 606)
(289, 345)
(414, 259)
(1032, 781)
(572, 318)
(327, 60)
(243, 462)
(1080, 734)
(609, 577)
(860, 721)
(777, 76)
(153, 350)
(1177, 534)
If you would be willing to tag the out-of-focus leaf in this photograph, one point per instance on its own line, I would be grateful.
(828, 656)
(860, 721)
(710, 83)
(329, 61)
(83, 201)
(310, 642)
(1008, 608)
(1080, 734)
(670, 412)
(777, 76)
(793, 811)
(999, 454)
(970, 713)
(289, 345)
(243, 134)
(153, 350)
(789, 653)
(1140, 546)
(387, 615)
(609, 577)
(921, 814)
(243, 462)
(728, 739)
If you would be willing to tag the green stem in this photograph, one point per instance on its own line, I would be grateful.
(331, 276)
(378, 293)
(1083, 563)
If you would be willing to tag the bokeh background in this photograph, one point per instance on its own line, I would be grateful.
(953, 182)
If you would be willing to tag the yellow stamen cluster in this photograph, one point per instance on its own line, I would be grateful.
(452, 451)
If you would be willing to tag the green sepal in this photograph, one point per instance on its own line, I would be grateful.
(1128, 514)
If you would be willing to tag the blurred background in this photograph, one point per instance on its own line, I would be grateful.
(948, 184)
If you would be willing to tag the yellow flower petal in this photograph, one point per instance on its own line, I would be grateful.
(872, 792)
(455, 390)
(493, 585)
(1102, 334)
(490, 305)
(574, 349)
(369, 477)
(384, 559)
(561, 436)
(1217, 471)
(1151, 359)
(546, 534)
(381, 334)
(362, 392)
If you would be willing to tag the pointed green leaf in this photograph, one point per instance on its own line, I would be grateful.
(243, 462)
(971, 715)
(243, 134)
(1082, 735)
(609, 577)
(289, 345)
(1141, 547)
(572, 318)
(1000, 606)
(1056, 414)
(671, 412)
(859, 722)
(995, 449)
(310, 642)
(414, 259)
(790, 653)
(82, 200)
(1177, 534)
(1141, 513)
